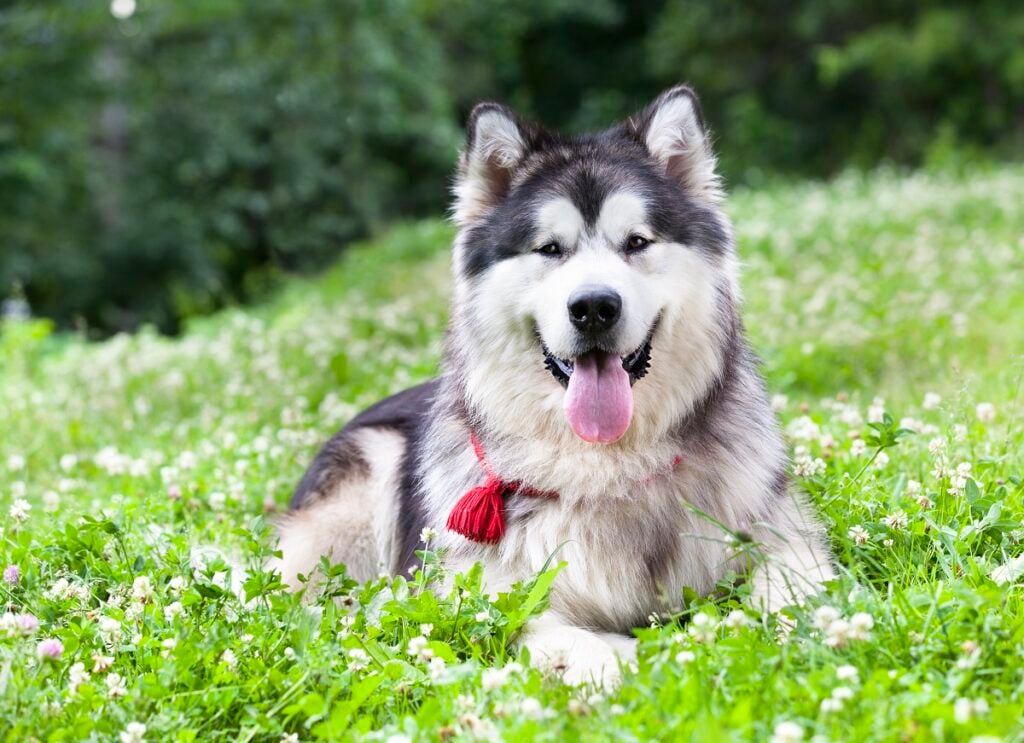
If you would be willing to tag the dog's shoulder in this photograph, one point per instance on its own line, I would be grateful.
(341, 458)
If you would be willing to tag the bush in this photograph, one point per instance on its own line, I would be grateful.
(160, 166)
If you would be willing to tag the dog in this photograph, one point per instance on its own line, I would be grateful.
(598, 401)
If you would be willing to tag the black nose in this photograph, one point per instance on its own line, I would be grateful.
(593, 309)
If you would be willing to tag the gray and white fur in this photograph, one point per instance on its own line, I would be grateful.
(634, 211)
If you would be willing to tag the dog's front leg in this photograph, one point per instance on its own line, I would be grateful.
(579, 655)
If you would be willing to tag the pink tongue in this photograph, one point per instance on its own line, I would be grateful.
(599, 401)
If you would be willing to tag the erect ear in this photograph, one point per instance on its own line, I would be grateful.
(497, 142)
(672, 129)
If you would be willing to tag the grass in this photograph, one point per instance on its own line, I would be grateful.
(863, 296)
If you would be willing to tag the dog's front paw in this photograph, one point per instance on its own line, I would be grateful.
(578, 656)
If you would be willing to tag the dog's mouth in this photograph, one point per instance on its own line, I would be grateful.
(598, 388)
(636, 364)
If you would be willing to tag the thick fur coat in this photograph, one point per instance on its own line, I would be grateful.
(596, 351)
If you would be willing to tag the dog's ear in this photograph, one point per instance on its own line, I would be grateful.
(497, 143)
(672, 129)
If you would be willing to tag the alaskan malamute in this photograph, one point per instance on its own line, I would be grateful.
(598, 400)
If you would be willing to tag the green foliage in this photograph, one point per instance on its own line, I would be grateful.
(159, 167)
(811, 86)
(136, 454)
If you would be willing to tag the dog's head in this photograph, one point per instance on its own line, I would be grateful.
(590, 271)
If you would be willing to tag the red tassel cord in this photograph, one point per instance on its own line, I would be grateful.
(479, 515)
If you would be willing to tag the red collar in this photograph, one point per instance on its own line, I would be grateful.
(479, 515)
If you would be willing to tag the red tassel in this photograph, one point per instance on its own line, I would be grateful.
(479, 515)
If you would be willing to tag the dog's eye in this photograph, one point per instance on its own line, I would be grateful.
(551, 248)
(637, 242)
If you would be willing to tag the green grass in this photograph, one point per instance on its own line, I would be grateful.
(862, 295)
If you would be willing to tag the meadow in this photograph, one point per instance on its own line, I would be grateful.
(889, 311)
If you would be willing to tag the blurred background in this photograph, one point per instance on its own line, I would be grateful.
(159, 159)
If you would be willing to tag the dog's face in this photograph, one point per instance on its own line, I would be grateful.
(582, 264)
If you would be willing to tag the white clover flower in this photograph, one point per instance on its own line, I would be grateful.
(134, 732)
(1009, 571)
(960, 432)
(426, 629)
(842, 693)
(824, 616)
(876, 410)
(436, 668)
(931, 401)
(787, 732)
(176, 584)
(737, 619)
(577, 707)
(15, 462)
(229, 659)
(881, 460)
(887, 543)
(861, 625)
(847, 673)
(851, 417)
(897, 520)
(912, 424)
(531, 708)
(493, 678)
(937, 446)
(805, 466)
(958, 479)
(51, 502)
(77, 675)
(913, 488)
(101, 663)
(804, 429)
(963, 710)
(19, 510)
(685, 656)
(418, 648)
(986, 412)
(428, 535)
(858, 534)
(142, 588)
(837, 634)
(702, 628)
(110, 630)
(217, 500)
(115, 686)
(858, 448)
(969, 660)
(173, 610)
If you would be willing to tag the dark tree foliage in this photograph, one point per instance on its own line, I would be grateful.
(160, 166)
